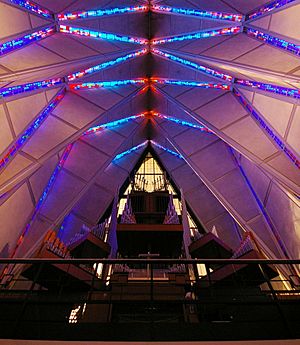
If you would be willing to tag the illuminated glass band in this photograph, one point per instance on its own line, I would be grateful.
(198, 35)
(99, 128)
(31, 6)
(135, 148)
(178, 155)
(295, 93)
(17, 43)
(14, 90)
(181, 122)
(112, 83)
(44, 195)
(268, 8)
(101, 13)
(267, 129)
(106, 64)
(13, 150)
(192, 64)
(102, 35)
(274, 41)
(198, 13)
(200, 84)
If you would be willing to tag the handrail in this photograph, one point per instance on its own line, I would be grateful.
(148, 261)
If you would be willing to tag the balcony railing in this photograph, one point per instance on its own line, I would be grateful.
(149, 299)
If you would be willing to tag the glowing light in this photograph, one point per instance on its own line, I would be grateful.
(32, 7)
(14, 90)
(260, 204)
(106, 64)
(111, 83)
(269, 131)
(101, 12)
(295, 93)
(178, 155)
(198, 35)
(44, 195)
(17, 43)
(274, 41)
(127, 152)
(268, 8)
(13, 150)
(96, 129)
(199, 84)
(198, 13)
(181, 122)
(102, 35)
(192, 64)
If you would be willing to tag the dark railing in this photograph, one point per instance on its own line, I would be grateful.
(236, 299)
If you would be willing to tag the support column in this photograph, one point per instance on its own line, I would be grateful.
(186, 234)
(112, 234)
(186, 227)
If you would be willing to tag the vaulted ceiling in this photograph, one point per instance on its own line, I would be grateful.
(212, 86)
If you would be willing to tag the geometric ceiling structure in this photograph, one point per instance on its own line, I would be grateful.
(213, 87)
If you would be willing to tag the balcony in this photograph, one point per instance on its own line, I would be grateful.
(150, 302)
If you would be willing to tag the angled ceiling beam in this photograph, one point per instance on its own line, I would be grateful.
(37, 163)
(232, 17)
(246, 68)
(245, 225)
(263, 163)
(270, 88)
(31, 7)
(275, 89)
(267, 128)
(30, 37)
(29, 87)
(43, 196)
(181, 122)
(68, 207)
(104, 12)
(198, 35)
(86, 60)
(67, 29)
(106, 64)
(190, 64)
(270, 8)
(109, 83)
(173, 153)
(127, 152)
(190, 83)
(24, 136)
(264, 212)
(278, 41)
